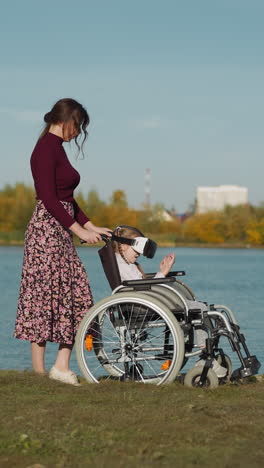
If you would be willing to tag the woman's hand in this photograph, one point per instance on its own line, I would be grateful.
(166, 264)
(85, 235)
(89, 236)
(99, 230)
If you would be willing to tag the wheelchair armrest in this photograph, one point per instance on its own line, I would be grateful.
(147, 283)
(169, 275)
(176, 273)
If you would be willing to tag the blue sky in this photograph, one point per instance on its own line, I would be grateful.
(175, 86)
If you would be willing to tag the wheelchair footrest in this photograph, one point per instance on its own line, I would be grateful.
(251, 367)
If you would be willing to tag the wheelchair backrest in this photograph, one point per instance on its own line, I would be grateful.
(108, 259)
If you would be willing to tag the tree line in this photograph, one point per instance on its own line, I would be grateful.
(243, 224)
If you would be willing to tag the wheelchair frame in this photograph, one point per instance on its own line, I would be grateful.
(145, 332)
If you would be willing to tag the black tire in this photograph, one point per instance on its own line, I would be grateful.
(192, 378)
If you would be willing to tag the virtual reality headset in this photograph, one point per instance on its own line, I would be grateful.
(141, 245)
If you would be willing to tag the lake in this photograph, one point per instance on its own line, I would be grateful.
(233, 277)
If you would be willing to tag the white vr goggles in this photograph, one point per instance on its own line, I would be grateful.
(141, 245)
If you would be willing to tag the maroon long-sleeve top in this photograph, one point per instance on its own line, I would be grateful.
(55, 179)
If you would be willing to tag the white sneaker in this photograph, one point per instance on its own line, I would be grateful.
(219, 370)
(66, 377)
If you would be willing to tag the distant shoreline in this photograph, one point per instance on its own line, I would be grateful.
(173, 245)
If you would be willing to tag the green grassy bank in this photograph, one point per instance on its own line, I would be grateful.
(48, 424)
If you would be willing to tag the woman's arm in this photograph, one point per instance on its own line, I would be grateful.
(79, 215)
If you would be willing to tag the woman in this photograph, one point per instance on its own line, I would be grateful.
(55, 292)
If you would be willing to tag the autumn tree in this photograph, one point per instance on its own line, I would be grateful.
(204, 228)
(234, 222)
(243, 224)
(16, 207)
(255, 232)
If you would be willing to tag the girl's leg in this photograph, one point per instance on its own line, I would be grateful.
(63, 357)
(38, 354)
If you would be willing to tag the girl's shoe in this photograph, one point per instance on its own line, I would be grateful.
(66, 377)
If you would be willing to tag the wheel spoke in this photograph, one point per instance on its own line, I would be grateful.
(131, 339)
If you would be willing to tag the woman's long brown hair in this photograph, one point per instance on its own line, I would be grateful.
(68, 110)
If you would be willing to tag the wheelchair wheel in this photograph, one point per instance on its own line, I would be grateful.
(184, 289)
(192, 378)
(226, 362)
(131, 337)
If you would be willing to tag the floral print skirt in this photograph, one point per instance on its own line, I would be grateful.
(54, 293)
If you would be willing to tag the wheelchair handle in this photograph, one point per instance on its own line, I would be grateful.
(103, 236)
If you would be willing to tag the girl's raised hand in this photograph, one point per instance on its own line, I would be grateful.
(166, 263)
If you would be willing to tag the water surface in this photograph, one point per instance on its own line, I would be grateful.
(224, 276)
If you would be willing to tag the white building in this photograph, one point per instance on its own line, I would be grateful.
(216, 198)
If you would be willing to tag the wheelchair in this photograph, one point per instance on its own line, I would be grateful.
(146, 332)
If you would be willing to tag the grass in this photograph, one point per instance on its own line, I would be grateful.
(48, 424)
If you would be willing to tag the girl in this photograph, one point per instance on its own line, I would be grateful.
(126, 256)
(55, 292)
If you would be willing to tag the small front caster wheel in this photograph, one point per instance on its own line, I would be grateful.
(192, 378)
